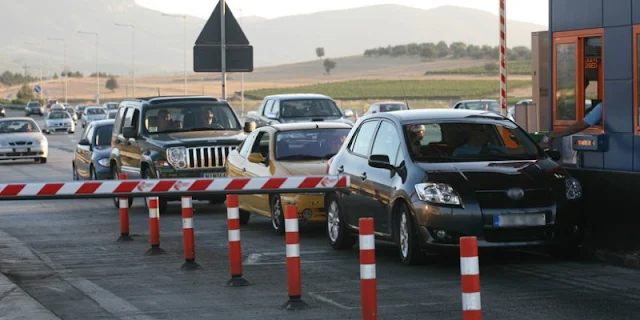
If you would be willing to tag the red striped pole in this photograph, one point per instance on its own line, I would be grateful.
(188, 234)
(368, 286)
(292, 239)
(235, 248)
(503, 57)
(123, 203)
(154, 227)
(470, 273)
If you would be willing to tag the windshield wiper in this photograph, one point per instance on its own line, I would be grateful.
(300, 157)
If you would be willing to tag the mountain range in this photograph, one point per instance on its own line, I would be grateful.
(160, 40)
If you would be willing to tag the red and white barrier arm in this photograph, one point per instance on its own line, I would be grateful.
(183, 187)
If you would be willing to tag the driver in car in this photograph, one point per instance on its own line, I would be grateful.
(416, 133)
(476, 141)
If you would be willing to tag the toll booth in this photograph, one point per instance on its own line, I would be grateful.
(592, 58)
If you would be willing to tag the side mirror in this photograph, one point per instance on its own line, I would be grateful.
(380, 161)
(348, 113)
(554, 154)
(129, 132)
(256, 158)
(272, 115)
(249, 126)
(84, 142)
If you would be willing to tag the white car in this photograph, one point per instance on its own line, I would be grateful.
(21, 138)
(59, 121)
(93, 113)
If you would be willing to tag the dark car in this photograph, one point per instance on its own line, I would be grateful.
(91, 159)
(34, 107)
(429, 177)
(80, 111)
(174, 137)
(287, 108)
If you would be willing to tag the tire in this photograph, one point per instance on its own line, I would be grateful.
(71, 132)
(162, 202)
(277, 214)
(407, 238)
(338, 233)
(116, 200)
(244, 217)
(43, 160)
(94, 175)
(217, 200)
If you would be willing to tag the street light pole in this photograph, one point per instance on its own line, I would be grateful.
(133, 55)
(97, 65)
(41, 93)
(64, 70)
(184, 17)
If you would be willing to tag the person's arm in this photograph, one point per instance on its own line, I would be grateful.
(593, 118)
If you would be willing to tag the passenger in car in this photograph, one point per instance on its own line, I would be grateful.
(416, 133)
(476, 140)
(164, 121)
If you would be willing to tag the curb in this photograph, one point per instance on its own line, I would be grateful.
(15, 303)
(629, 260)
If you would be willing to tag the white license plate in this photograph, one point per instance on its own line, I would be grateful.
(520, 220)
(214, 174)
(22, 150)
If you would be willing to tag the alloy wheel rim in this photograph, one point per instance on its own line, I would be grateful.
(404, 236)
(276, 214)
(333, 221)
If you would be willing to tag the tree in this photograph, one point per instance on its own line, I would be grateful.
(112, 84)
(25, 93)
(329, 65)
(320, 52)
(491, 67)
(55, 76)
(443, 49)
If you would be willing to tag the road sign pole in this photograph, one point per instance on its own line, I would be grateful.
(223, 48)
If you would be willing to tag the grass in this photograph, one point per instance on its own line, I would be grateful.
(513, 67)
(396, 89)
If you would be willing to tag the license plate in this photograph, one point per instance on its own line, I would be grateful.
(214, 174)
(520, 220)
(22, 149)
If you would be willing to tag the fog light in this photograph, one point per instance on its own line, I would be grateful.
(306, 214)
(441, 234)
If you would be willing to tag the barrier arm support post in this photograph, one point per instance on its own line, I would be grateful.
(188, 235)
(368, 285)
(154, 227)
(123, 203)
(292, 238)
(235, 248)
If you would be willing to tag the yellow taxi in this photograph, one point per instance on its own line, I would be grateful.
(281, 150)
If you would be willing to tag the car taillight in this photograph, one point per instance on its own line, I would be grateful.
(329, 164)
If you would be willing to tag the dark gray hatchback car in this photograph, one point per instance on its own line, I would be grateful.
(91, 158)
(429, 177)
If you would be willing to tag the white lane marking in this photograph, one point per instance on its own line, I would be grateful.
(253, 258)
(329, 301)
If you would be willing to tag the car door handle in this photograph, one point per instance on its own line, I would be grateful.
(363, 176)
(244, 169)
(340, 169)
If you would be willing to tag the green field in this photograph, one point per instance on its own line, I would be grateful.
(513, 67)
(395, 89)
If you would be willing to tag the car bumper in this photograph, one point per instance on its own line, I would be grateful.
(35, 111)
(30, 152)
(59, 129)
(443, 226)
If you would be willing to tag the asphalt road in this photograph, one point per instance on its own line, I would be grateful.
(65, 254)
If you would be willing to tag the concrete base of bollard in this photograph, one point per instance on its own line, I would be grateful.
(155, 251)
(124, 238)
(295, 303)
(190, 265)
(238, 282)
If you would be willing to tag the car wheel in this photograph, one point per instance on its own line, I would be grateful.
(94, 175)
(338, 233)
(43, 160)
(116, 201)
(407, 238)
(162, 202)
(277, 214)
(244, 217)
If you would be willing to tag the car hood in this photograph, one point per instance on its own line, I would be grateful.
(21, 136)
(198, 138)
(497, 175)
(303, 168)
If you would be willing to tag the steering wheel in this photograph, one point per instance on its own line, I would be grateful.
(217, 126)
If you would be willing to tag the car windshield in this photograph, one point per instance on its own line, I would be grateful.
(313, 144)
(112, 106)
(103, 135)
(190, 116)
(470, 141)
(392, 107)
(59, 115)
(34, 104)
(492, 106)
(112, 114)
(97, 111)
(13, 126)
(305, 108)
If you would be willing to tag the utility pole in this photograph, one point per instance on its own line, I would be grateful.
(223, 47)
(26, 70)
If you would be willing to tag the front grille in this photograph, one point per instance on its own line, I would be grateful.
(533, 198)
(21, 143)
(208, 157)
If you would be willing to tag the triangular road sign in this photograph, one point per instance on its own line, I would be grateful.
(210, 34)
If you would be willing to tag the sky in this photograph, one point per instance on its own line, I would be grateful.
(534, 11)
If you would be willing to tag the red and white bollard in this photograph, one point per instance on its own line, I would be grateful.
(235, 248)
(123, 204)
(503, 57)
(292, 239)
(470, 273)
(154, 227)
(368, 286)
(188, 235)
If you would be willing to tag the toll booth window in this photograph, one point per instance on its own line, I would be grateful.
(592, 70)
(566, 92)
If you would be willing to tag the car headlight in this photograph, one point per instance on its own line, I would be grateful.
(104, 162)
(177, 157)
(573, 187)
(437, 193)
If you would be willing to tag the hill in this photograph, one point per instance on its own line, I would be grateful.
(285, 40)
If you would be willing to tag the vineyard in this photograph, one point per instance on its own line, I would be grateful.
(397, 89)
(513, 68)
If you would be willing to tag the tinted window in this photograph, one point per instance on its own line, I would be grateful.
(261, 144)
(309, 144)
(362, 141)
(392, 107)
(303, 108)
(387, 141)
(492, 106)
(34, 104)
(92, 111)
(190, 116)
(90, 131)
(103, 135)
(58, 115)
(566, 91)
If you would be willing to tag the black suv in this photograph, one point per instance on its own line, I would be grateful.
(174, 137)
